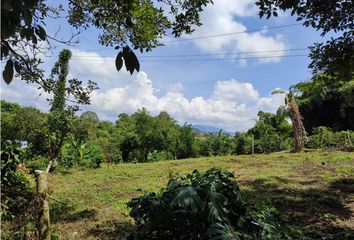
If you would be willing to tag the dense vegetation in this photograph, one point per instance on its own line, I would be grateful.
(214, 201)
(326, 101)
(141, 137)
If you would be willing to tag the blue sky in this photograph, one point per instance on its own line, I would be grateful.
(217, 92)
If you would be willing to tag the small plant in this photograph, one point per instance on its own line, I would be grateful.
(206, 205)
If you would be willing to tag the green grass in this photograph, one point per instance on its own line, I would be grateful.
(302, 186)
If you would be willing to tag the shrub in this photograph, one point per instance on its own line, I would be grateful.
(16, 194)
(206, 205)
(37, 163)
(204, 147)
(324, 137)
(68, 156)
(91, 156)
(156, 156)
(243, 144)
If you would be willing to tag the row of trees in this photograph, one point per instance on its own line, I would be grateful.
(141, 137)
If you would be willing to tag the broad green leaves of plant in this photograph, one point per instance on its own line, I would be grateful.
(130, 60)
(8, 72)
(203, 206)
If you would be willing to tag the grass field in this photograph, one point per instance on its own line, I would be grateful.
(315, 190)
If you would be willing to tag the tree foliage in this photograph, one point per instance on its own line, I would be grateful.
(271, 133)
(58, 117)
(326, 101)
(124, 24)
(16, 192)
(334, 56)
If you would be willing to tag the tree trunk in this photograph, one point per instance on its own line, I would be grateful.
(298, 128)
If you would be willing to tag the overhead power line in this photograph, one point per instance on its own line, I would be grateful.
(205, 59)
(233, 33)
(215, 36)
(220, 59)
(223, 54)
(202, 55)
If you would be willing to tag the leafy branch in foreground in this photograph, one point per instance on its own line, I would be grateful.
(126, 25)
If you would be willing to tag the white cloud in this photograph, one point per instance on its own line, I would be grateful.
(233, 90)
(24, 94)
(222, 17)
(86, 65)
(231, 106)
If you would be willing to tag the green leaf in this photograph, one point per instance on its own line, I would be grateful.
(188, 198)
(27, 15)
(18, 67)
(278, 91)
(41, 33)
(130, 60)
(8, 72)
(119, 61)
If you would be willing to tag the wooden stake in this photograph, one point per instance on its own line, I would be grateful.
(252, 144)
(43, 205)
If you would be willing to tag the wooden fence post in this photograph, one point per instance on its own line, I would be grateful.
(43, 205)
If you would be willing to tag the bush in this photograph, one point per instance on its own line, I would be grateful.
(68, 156)
(37, 163)
(156, 156)
(324, 137)
(16, 194)
(204, 147)
(206, 205)
(243, 144)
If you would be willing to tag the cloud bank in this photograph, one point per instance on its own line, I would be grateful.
(223, 17)
(233, 105)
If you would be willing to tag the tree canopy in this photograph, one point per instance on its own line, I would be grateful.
(335, 56)
(123, 24)
(325, 101)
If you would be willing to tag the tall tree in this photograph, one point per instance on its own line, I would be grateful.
(187, 145)
(59, 114)
(296, 119)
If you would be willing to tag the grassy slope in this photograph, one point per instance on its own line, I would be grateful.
(315, 189)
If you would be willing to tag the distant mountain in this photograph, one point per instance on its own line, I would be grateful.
(209, 129)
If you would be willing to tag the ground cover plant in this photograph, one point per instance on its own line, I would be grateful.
(313, 190)
(207, 205)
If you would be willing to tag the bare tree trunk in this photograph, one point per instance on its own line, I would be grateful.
(298, 128)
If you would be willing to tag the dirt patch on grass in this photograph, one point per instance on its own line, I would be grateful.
(326, 207)
(310, 168)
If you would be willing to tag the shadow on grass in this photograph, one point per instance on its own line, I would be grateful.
(314, 207)
(66, 212)
(112, 230)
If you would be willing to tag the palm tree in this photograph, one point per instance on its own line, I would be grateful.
(300, 134)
